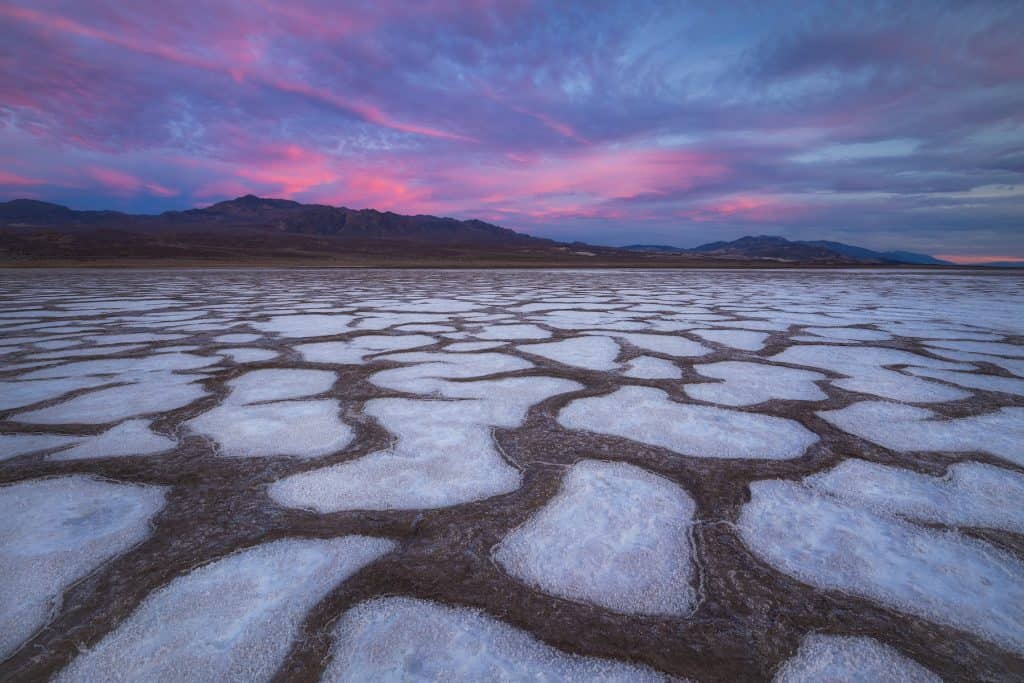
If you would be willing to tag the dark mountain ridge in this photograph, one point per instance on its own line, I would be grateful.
(252, 229)
(276, 215)
(780, 248)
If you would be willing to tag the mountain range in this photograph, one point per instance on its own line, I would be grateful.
(250, 230)
(780, 248)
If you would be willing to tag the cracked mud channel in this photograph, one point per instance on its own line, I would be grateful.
(535, 475)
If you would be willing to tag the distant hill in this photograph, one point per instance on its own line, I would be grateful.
(274, 215)
(1002, 264)
(779, 248)
(250, 230)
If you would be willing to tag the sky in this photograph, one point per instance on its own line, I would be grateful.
(887, 125)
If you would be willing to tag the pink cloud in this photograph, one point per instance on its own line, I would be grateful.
(123, 183)
(747, 208)
(8, 178)
(238, 65)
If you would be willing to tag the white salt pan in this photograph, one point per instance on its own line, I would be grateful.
(945, 577)
(354, 352)
(592, 353)
(404, 639)
(133, 437)
(746, 384)
(647, 415)
(615, 536)
(305, 429)
(907, 428)
(850, 659)
(737, 339)
(54, 532)
(970, 495)
(232, 620)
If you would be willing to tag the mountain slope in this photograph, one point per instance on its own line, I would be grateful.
(780, 248)
(251, 213)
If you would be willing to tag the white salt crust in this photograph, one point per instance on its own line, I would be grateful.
(747, 384)
(942, 576)
(133, 437)
(305, 325)
(648, 367)
(908, 428)
(231, 620)
(669, 345)
(258, 386)
(850, 659)
(863, 367)
(354, 352)
(444, 454)
(154, 393)
(24, 393)
(591, 353)
(615, 536)
(969, 495)
(13, 445)
(405, 639)
(647, 415)
(237, 338)
(244, 354)
(302, 429)
(744, 340)
(512, 332)
(55, 531)
(1004, 385)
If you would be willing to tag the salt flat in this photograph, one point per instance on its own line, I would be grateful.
(501, 475)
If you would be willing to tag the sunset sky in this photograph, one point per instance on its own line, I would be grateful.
(887, 125)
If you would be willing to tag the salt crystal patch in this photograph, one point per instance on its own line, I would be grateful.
(244, 354)
(667, 344)
(970, 495)
(133, 437)
(990, 348)
(278, 385)
(13, 445)
(236, 338)
(134, 338)
(231, 620)
(127, 367)
(746, 384)
(615, 536)
(848, 333)
(354, 352)
(157, 394)
(850, 659)
(425, 327)
(55, 531)
(944, 577)
(305, 325)
(591, 353)
(304, 429)
(863, 365)
(406, 639)
(908, 428)
(973, 380)
(461, 347)
(513, 332)
(15, 394)
(431, 370)
(744, 340)
(647, 415)
(648, 367)
(444, 454)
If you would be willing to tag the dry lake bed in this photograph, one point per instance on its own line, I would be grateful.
(495, 475)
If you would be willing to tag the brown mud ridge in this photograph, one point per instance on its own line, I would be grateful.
(750, 617)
